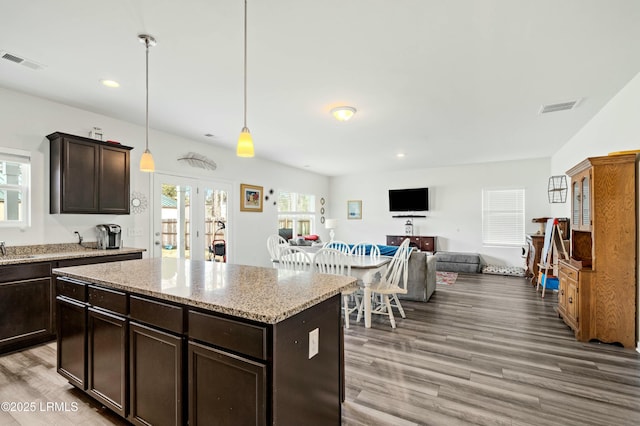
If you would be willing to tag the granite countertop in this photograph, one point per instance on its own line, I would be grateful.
(266, 295)
(48, 252)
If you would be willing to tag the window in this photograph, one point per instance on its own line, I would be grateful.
(15, 182)
(296, 212)
(503, 217)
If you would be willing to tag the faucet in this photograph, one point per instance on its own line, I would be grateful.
(3, 248)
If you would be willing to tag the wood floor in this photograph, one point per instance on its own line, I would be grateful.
(485, 350)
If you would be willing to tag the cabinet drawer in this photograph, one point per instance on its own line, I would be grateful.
(24, 271)
(152, 312)
(73, 289)
(111, 300)
(570, 274)
(236, 336)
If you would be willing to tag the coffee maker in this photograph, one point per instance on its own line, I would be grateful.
(109, 236)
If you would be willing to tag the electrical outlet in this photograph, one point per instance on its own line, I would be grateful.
(314, 339)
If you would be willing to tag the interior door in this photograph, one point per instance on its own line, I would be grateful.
(191, 218)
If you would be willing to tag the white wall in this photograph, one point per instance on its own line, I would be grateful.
(455, 204)
(26, 120)
(615, 128)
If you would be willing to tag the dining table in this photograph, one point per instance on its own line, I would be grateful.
(367, 269)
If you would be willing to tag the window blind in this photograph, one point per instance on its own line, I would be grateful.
(503, 217)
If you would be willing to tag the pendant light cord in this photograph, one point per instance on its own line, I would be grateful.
(146, 43)
(245, 64)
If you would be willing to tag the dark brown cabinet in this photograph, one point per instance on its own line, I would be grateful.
(72, 339)
(157, 362)
(107, 359)
(420, 242)
(26, 305)
(88, 176)
(225, 389)
(28, 301)
(155, 399)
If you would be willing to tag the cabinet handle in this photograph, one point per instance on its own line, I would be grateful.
(561, 292)
(570, 299)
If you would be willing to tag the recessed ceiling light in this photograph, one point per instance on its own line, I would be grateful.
(400, 155)
(343, 113)
(110, 83)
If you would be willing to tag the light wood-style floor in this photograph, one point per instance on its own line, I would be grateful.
(486, 350)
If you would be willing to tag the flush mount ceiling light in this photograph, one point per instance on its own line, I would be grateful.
(245, 141)
(110, 83)
(146, 162)
(343, 113)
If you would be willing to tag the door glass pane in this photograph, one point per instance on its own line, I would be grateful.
(575, 214)
(175, 216)
(216, 221)
(586, 213)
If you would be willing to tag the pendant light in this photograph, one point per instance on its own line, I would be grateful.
(146, 162)
(245, 142)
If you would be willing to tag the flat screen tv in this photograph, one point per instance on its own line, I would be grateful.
(409, 200)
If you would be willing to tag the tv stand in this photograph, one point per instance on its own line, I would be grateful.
(408, 215)
(422, 243)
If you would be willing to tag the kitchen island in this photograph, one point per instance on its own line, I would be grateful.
(160, 341)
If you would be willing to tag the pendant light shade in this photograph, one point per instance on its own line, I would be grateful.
(245, 141)
(245, 144)
(146, 161)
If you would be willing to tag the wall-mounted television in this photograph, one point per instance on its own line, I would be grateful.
(409, 200)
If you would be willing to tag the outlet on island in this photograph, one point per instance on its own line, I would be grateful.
(314, 338)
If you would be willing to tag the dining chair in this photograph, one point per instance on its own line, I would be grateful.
(338, 245)
(364, 249)
(392, 283)
(275, 243)
(332, 261)
(294, 259)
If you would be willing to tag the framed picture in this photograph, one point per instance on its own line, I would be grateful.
(354, 209)
(250, 198)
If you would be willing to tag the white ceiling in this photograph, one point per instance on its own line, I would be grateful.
(445, 82)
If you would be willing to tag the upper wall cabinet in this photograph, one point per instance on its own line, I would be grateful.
(88, 175)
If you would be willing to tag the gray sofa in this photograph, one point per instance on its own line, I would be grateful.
(421, 282)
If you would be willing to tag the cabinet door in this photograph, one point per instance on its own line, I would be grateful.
(225, 389)
(575, 204)
(155, 399)
(26, 310)
(572, 303)
(79, 192)
(114, 180)
(72, 341)
(562, 293)
(106, 350)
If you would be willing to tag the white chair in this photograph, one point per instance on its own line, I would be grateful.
(393, 282)
(364, 249)
(332, 261)
(294, 259)
(275, 243)
(338, 245)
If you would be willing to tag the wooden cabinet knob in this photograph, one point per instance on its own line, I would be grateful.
(570, 299)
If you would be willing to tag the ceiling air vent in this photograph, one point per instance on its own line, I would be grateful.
(562, 106)
(22, 61)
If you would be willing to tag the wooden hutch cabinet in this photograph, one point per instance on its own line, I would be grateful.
(88, 175)
(597, 292)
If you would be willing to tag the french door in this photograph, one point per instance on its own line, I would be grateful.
(191, 218)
